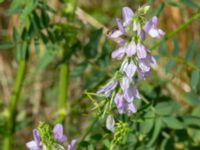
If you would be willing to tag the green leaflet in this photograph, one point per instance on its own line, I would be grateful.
(194, 79)
(191, 98)
(6, 45)
(156, 132)
(190, 51)
(172, 122)
(47, 58)
(176, 49)
(170, 65)
(29, 7)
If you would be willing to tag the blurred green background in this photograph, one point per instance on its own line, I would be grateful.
(173, 88)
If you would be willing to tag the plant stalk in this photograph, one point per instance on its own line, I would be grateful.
(63, 88)
(12, 106)
(63, 77)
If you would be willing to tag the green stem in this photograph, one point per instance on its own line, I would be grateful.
(63, 79)
(62, 99)
(88, 131)
(92, 125)
(63, 85)
(11, 118)
(180, 28)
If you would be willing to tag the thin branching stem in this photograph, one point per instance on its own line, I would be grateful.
(12, 106)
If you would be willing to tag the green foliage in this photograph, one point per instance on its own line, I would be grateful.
(190, 3)
(156, 132)
(78, 70)
(163, 109)
(147, 124)
(190, 51)
(173, 3)
(197, 60)
(159, 10)
(90, 50)
(6, 45)
(47, 57)
(192, 98)
(195, 79)
(170, 65)
(172, 122)
(176, 49)
(47, 38)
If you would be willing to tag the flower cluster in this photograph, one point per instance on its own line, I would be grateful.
(42, 137)
(137, 59)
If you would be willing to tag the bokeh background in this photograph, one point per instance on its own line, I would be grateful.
(175, 79)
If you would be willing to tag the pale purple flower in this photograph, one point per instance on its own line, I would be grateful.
(152, 23)
(124, 84)
(120, 31)
(151, 59)
(141, 51)
(131, 49)
(123, 106)
(131, 93)
(121, 42)
(124, 66)
(131, 108)
(35, 144)
(144, 64)
(142, 35)
(151, 28)
(143, 75)
(156, 33)
(108, 87)
(132, 44)
(130, 70)
(116, 34)
(120, 26)
(58, 133)
(71, 146)
(118, 53)
(127, 15)
(144, 69)
(110, 123)
(120, 103)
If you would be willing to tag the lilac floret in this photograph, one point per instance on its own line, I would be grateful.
(118, 53)
(124, 84)
(130, 94)
(71, 146)
(108, 87)
(131, 49)
(151, 28)
(58, 133)
(34, 144)
(123, 106)
(141, 51)
(130, 70)
(127, 15)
